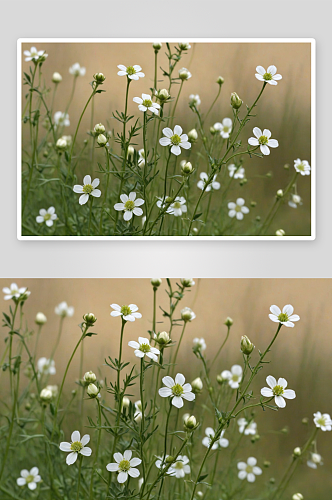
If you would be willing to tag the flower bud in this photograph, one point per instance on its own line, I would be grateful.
(163, 95)
(61, 144)
(268, 175)
(92, 391)
(125, 402)
(305, 421)
(99, 128)
(228, 321)
(297, 452)
(157, 46)
(197, 385)
(28, 406)
(130, 151)
(192, 135)
(280, 193)
(266, 464)
(56, 78)
(236, 102)
(54, 390)
(190, 423)
(40, 318)
(187, 282)
(184, 74)
(186, 167)
(255, 438)
(169, 459)
(24, 296)
(253, 204)
(280, 232)
(187, 314)
(89, 319)
(162, 338)
(246, 346)
(297, 496)
(272, 480)
(286, 166)
(74, 392)
(220, 380)
(184, 46)
(258, 218)
(156, 282)
(99, 78)
(46, 396)
(102, 140)
(200, 494)
(220, 80)
(89, 377)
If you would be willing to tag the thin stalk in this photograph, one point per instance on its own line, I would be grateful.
(176, 103)
(79, 477)
(142, 426)
(106, 191)
(178, 347)
(166, 172)
(221, 347)
(90, 216)
(213, 103)
(97, 450)
(58, 338)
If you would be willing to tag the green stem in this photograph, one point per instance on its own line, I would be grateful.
(106, 191)
(142, 426)
(90, 216)
(166, 172)
(79, 477)
(176, 103)
(213, 103)
(58, 338)
(155, 68)
(79, 123)
(221, 347)
(97, 450)
(178, 347)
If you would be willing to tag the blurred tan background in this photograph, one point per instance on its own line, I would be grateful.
(284, 109)
(301, 355)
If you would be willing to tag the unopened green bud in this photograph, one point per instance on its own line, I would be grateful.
(220, 80)
(297, 452)
(169, 459)
(197, 385)
(156, 282)
(187, 314)
(253, 204)
(89, 377)
(297, 496)
(163, 95)
(269, 175)
(258, 218)
(186, 167)
(99, 78)
(279, 194)
(163, 338)
(187, 282)
(99, 128)
(213, 131)
(286, 166)
(255, 438)
(125, 402)
(220, 380)
(280, 232)
(305, 421)
(228, 321)
(92, 391)
(184, 46)
(28, 406)
(184, 74)
(192, 135)
(40, 318)
(46, 395)
(61, 144)
(169, 199)
(131, 151)
(102, 140)
(285, 430)
(272, 480)
(89, 319)
(56, 78)
(190, 423)
(157, 46)
(246, 346)
(266, 464)
(236, 102)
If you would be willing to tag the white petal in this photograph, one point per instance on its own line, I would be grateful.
(87, 179)
(260, 70)
(271, 381)
(71, 458)
(253, 142)
(252, 461)
(164, 141)
(83, 199)
(86, 451)
(132, 196)
(78, 189)
(168, 381)
(272, 69)
(123, 476)
(127, 455)
(188, 396)
(273, 143)
(118, 457)
(124, 198)
(177, 402)
(165, 392)
(275, 310)
(266, 392)
(96, 193)
(112, 467)
(127, 216)
(133, 472)
(264, 149)
(257, 132)
(289, 394)
(279, 400)
(176, 150)
(119, 207)
(177, 130)
(95, 182)
(75, 436)
(168, 132)
(138, 100)
(288, 309)
(65, 446)
(133, 344)
(180, 379)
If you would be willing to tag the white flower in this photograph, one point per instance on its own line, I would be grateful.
(61, 119)
(47, 216)
(128, 313)
(175, 139)
(295, 201)
(268, 76)
(33, 54)
(187, 282)
(138, 411)
(315, 459)
(13, 292)
(180, 468)
(161, 203)
(237, 209)
(130, 205)
(204, 178)
(184, 46)
(161, 463)
(302, 166)
(236, 172)
(324, 421)
(209, 433)
(145, 103)
(132, 72)
(64, 310)
(143, 347)
(29, 478)
(184, 74)
(141, 158)
(194, 99)
(46, 366)
(234, 376)
(249, 470)
(278, 391)
(247, 427)
(87, 189)
(223, 442)
(225, 127)
(200, 343)
(176, 389)
(286, 317)
(262, 139)
(77, 70)
(178, 207)
(124, 465)
(77, 446)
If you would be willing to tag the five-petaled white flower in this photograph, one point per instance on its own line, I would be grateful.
(278, 391)
(13, 292)
(29, 478)
(177, 389)
(295, 201)
(247, 427)
(61, 119)
(46, 366)
(77, 70)
(203, 181)
(143, 347)
(47, 216)
(76, 447)
(88, 188)
(180, 468)
(64, 310)
(130, 205)
(315, 459)
(145, 103)
(124, 465)
(209, 435)
(324, 421)
(128, 313)
(132, 72)
(194, 99)
(286, 317)
(237, 209)
(249, 470)
(234, 376)
(225, 127)
(263, 140)
(175, 139)
(268, 76)
(236, 172)
(178, 207)
(199, 343)
(33, 54)
(302, 166)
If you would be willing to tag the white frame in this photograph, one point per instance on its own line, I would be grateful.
(35, 41)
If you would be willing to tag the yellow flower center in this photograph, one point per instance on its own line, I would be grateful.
(225, 129)
(129, 205)
(147, 103)
(176, 139)
(283, 317)
(47, 216)
(177, 204)
(267, 76)
(300, 167)
(178, 465)
(238, 208)
(76, 446)
(278, 390)
(29, 478)
(87, 188)
(125, 310)
(145, 347)
(249, 469)
(263, 140)
(321, 421)
(177, 390)
(130, 70)
(124, 465)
